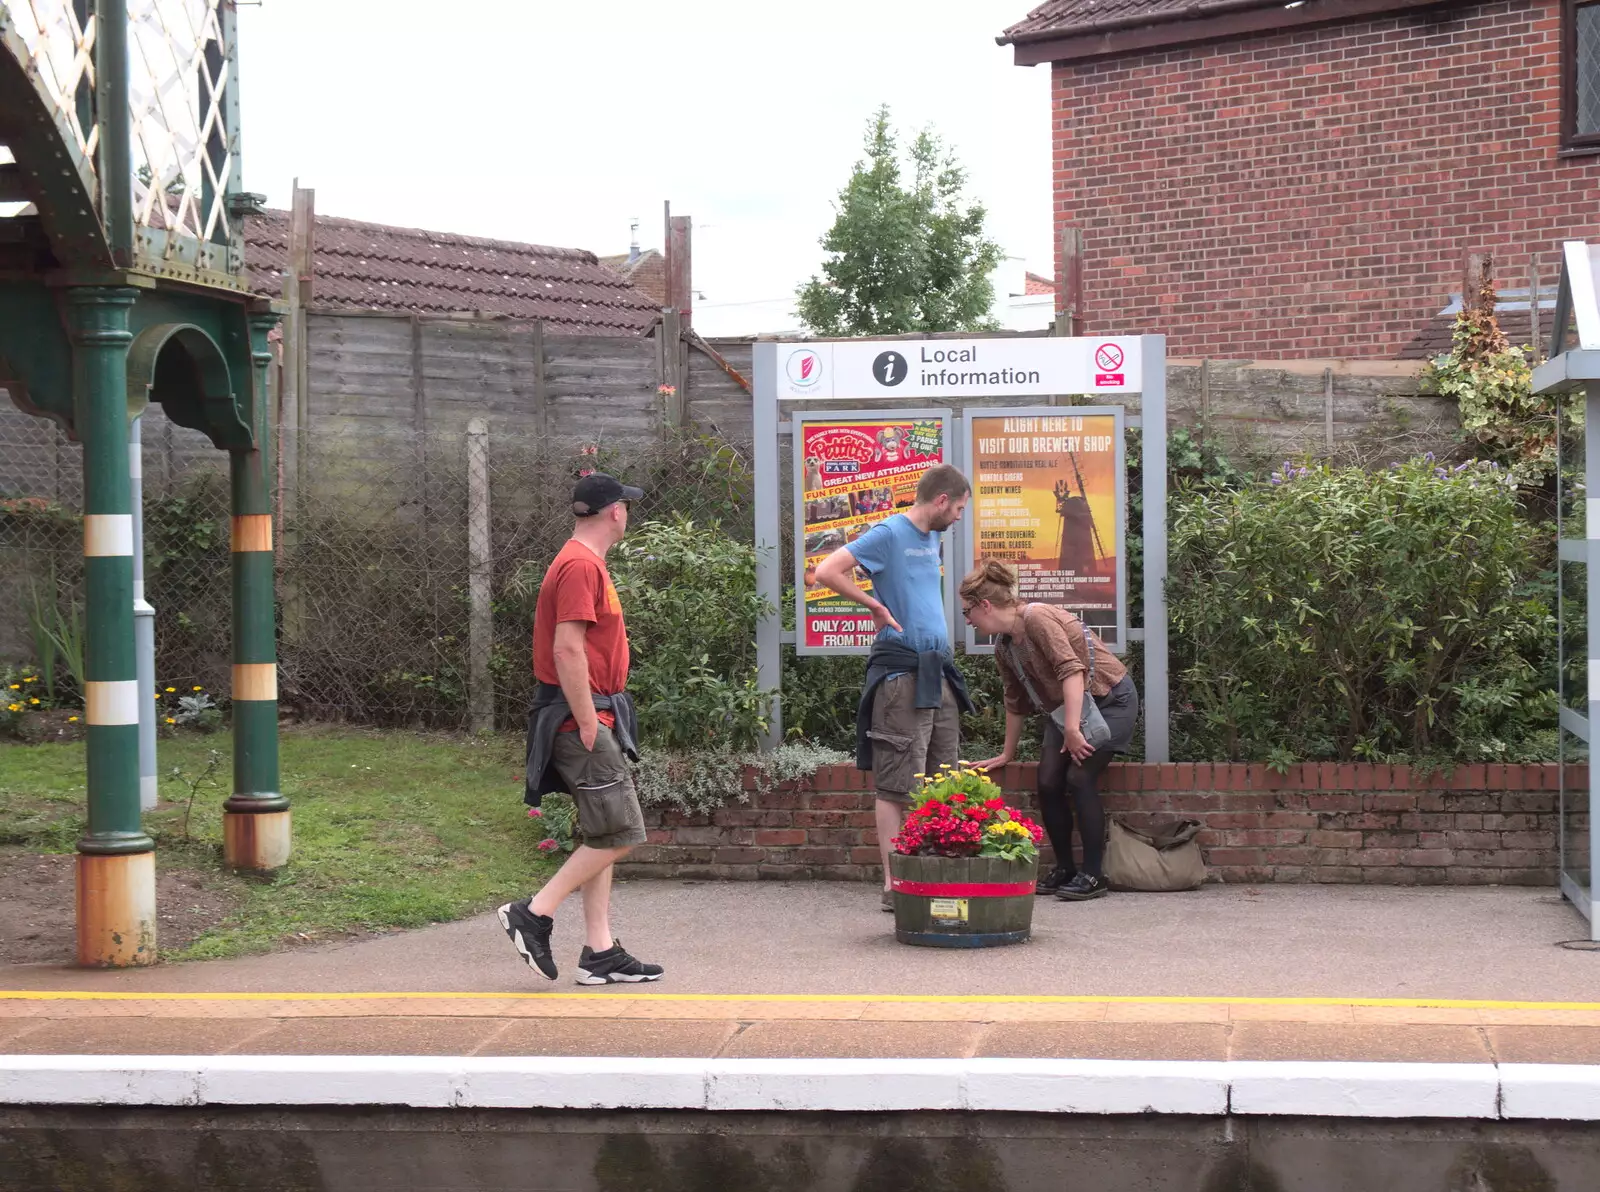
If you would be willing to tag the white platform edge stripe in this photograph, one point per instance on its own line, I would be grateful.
(107, 535)
(1364, 1090)
(1591, 521)
(111, 702)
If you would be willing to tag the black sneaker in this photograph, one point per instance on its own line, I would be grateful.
(531, 934)
(613, 966)
(1083, 887)
(1055, 879)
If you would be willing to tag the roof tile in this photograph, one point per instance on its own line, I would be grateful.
(1065, 18)
(366, 266)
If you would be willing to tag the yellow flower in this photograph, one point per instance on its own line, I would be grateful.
(197, 687)
(13, 707)
(170, 720)
(33, 701)
(171, 689)
(72, 720)
(30, 678)
(16, 687)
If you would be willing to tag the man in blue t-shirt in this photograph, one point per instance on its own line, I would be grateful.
(910, 718)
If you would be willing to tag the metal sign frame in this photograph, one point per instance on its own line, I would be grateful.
(1117, 643)
(949, 563)
(768, 424)
(1577, 369)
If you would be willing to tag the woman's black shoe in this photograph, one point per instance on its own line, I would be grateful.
(1082, 888)
(1051, 882)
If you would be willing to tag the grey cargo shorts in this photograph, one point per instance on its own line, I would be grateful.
(602, 788)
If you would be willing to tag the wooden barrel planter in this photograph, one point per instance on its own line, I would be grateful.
(962, 902)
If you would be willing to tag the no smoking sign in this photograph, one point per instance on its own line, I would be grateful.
(1108, 365)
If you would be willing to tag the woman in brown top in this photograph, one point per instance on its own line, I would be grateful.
(1044, 654)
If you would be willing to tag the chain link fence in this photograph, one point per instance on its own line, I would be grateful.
(397, 595)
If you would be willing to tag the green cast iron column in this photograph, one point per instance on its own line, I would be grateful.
(256, 843)
(98, 319)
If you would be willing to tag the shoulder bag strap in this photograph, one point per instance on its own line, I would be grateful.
(1088, 640)
(1019, 665)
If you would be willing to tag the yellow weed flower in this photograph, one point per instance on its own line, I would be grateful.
(33, 701)
(30, 678)
(72, 720)
(171, 689)
(16, 687)
(13, 707)
(197, 687)
(170, 720)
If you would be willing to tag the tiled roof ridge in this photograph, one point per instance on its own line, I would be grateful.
(1068, 18)
(446, 238)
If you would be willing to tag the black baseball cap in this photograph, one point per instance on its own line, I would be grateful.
(597, 490)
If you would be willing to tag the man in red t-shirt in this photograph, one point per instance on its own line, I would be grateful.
(581, 737)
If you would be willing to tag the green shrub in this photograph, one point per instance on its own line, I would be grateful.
(1492, 383)
(1342, 614)
(688, 594)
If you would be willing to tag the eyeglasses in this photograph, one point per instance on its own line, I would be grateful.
(966, 610)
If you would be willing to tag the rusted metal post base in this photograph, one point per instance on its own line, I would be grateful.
(116, 909)
(257, 841)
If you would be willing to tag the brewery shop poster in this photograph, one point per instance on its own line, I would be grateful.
(1046, 500)
(854, 472)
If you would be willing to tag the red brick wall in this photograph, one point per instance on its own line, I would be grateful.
(1388, 825)
(1316, 192)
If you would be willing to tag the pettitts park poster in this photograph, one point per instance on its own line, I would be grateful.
(851, 475)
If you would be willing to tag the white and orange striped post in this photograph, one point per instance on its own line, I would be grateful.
(116, 895)
(255, 823)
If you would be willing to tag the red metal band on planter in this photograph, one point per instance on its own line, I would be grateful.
(962, 889)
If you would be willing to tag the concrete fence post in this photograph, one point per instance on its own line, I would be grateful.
(480, 640)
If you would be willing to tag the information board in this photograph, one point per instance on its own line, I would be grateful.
(852, 470)
(1049, 496)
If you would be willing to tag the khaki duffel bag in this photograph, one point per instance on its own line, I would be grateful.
(1164, 856)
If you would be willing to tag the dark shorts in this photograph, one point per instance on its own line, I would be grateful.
(908, 740)
(601, 784)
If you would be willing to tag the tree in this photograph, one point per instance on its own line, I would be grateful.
(903, 258)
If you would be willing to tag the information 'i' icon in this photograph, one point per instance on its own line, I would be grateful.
(890, 368)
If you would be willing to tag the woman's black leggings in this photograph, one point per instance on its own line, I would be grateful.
(1068, 788)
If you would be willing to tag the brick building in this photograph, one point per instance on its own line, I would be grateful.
(1261, 179)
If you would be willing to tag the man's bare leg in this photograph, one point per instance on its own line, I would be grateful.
(597, 907)
(891, 818)
(584, 864)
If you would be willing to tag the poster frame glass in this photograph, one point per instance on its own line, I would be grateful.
(952, 541)
(1115, 635)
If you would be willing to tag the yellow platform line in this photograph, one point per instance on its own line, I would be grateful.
(1409, 1003)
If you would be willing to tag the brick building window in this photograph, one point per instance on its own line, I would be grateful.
(1580, 70)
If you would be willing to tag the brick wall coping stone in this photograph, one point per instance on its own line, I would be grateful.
(1245, 776)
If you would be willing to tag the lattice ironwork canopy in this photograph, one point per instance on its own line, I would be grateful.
(142, 99)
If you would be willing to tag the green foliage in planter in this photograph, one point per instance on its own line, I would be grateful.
(1342, 614)
(699, 781)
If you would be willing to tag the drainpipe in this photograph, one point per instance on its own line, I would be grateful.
(144, 625)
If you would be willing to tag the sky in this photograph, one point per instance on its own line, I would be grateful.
(562, 123)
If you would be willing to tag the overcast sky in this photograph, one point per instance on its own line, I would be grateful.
(559, 123)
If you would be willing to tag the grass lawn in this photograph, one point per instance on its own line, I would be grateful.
(391, 829)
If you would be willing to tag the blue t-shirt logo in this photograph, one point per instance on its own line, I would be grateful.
(904, 565)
